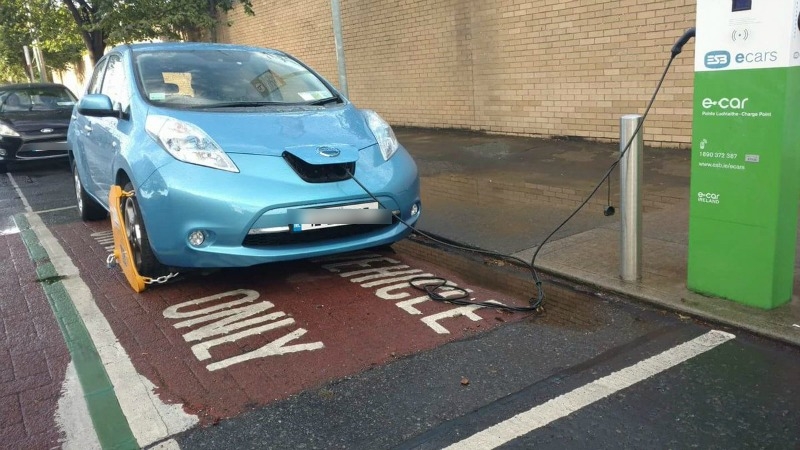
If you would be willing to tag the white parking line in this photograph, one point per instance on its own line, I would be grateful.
(150, 419)
(19, 191)
(64, 208)
(581, 397)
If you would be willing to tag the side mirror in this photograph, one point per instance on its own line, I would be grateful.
(97, 105)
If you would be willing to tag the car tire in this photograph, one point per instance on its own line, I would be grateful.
(143, 257)
(88, 208)
(3, 167)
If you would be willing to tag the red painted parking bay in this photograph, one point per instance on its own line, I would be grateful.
(223, 342)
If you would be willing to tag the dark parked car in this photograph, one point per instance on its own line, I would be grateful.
(33, 121)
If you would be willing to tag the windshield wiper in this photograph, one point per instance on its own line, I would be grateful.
(325, 101)
(240, 104)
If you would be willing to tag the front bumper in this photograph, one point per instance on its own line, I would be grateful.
(180, 198)
(17, 149)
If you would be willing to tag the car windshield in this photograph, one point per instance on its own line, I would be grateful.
(225, 78)
(47, 98)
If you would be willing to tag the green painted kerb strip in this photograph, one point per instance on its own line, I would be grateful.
(110, 423)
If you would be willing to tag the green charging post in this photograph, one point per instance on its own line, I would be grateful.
(745, 175)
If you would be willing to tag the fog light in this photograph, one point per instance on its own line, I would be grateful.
(2, 152)
(196, 238)
(414, 210)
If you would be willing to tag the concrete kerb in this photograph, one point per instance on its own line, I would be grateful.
(774, 324)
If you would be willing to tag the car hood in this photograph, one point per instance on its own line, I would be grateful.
(301, 131)
(30, 121)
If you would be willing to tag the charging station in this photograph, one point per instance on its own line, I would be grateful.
(745, 175)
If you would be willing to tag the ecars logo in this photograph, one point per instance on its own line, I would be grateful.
(718, 59)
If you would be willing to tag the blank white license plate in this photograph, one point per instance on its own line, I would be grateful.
(360, 213)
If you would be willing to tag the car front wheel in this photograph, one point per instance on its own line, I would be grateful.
(88, 208)
(143, 257)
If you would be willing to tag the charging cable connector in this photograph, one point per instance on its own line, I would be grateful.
(678, 47)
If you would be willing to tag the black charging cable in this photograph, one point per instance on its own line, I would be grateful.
(608, 210)
(435, 286)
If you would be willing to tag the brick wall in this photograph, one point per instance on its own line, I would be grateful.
(303, 29)
(546, 68)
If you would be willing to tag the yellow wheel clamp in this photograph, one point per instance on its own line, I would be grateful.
(123, 253)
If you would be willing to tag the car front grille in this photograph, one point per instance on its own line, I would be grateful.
(319, 173)
(56, 132)
(41, 148)
(310, 236)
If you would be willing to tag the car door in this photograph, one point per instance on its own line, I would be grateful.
(85, 142)
(109, 133)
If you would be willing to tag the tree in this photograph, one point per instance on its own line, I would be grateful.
(104, 21)
(41, 23)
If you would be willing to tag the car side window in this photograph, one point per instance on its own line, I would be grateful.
(14, 101)
(115, 83)
(97, 78)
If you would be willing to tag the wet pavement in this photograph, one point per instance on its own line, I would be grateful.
(483, 189)
(508, 194)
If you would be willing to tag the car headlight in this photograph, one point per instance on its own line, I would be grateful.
(6, 130)
(188, 143)
(383, 133)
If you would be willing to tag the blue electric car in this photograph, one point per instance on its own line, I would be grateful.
(236, 156)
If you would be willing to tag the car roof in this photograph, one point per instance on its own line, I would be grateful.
(173, 46)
